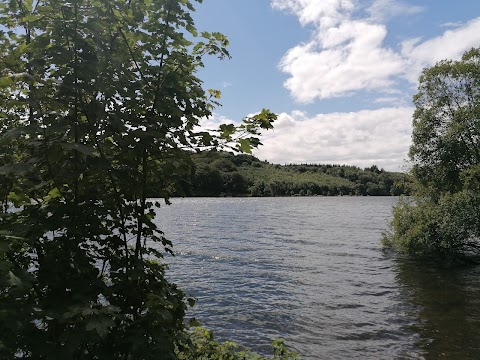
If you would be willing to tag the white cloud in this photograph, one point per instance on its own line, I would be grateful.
(397, 101)
(347, 54)
(381, 10)
(369, 137)
(319, 12)
(363, 138)
(452, 24)
(341, 60)
(450, 45)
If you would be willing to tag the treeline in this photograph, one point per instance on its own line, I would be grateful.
(217, 173)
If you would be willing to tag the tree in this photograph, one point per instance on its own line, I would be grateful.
(208, 180)
(98, 100)
(446, 123)
(445, 153)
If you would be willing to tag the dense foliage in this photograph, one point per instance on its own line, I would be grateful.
(224, 174)
(444, 218)
(206, 348)
(98, 100)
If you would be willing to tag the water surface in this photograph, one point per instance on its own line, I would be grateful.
(312, 270)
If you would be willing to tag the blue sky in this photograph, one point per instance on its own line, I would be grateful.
(340, 73)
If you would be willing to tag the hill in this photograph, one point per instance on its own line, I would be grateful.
(217, 173)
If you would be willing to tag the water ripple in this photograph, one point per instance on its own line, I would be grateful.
(307, 269)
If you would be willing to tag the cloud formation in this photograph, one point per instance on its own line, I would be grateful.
(370, 137)
(347, 52)
(340, 61)
(381, 10)
(450, 45)
(322, 13)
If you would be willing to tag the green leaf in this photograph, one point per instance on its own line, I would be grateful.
(101, 326)
(8, 235)
(53, 194)
(16, 169)
(191, 301)
(18, 199)
(207, 138)
(215, 93)
(245, 146)
(193, 322)
(226, 131)
(14, 280)
(84, 149)
(10, 135)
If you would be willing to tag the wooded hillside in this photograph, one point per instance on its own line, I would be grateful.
(225, 174)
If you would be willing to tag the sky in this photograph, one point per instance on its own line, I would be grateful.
(340, 74)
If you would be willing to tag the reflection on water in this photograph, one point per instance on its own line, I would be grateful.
(312, 270)
(447, 301)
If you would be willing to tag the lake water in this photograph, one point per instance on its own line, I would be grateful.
(312, 270)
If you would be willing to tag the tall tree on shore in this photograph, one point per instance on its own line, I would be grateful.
(98, 97)
(445, 153)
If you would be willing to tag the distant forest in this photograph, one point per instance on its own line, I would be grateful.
(218, 173)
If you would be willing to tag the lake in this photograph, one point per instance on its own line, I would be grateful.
(312, 270)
